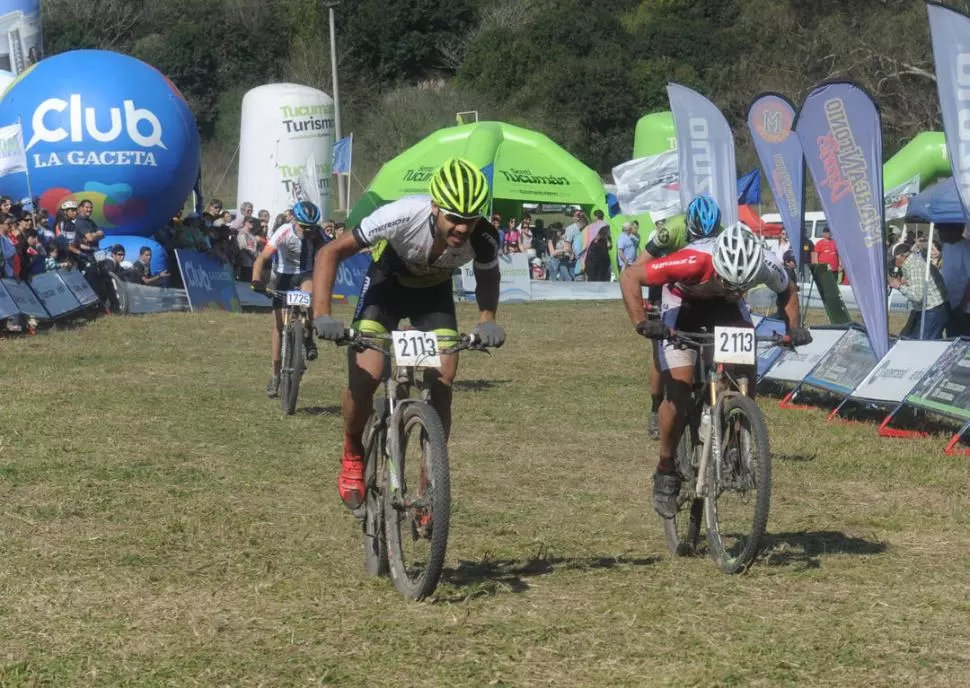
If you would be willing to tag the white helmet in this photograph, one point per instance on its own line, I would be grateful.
(738, 256)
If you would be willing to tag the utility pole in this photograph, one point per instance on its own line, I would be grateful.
(330, 5)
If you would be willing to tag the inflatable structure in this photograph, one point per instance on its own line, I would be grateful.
(282, 124)
(126, 140)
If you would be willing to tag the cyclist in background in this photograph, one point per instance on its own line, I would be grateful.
(703, 286)
(291, 248)
(702, 221)
(416, 243)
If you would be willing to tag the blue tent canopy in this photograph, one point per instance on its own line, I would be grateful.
(937, 203)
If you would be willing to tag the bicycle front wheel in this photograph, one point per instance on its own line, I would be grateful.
(739, 486)
(294, 361)
(417, 506)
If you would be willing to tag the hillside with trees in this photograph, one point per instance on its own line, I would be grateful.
(581, 72)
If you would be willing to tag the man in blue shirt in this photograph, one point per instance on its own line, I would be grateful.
(626, 247)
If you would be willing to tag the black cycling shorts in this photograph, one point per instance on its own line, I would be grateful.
(384, 302)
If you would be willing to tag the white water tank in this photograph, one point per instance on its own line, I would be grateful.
(282, 124)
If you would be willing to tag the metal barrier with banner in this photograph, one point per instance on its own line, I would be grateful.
(208, 281)
(25, 299)
(516, 284)
(57, 298)
(79, 287)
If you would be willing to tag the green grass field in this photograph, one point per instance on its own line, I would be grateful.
(162, 525)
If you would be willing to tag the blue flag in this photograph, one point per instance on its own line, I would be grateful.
(342, 154)
(749, 188)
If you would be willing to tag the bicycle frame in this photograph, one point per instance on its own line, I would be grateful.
(721, 385)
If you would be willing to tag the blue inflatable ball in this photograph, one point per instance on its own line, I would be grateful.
(108, 128)
(133, 246)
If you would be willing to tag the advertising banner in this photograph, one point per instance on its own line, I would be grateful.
(946, 388)
(516, 285)
(54, 294)
(841, 134)
(897, 198)
(770, 120)
(27, 302)
(950, 33)
(902, 368)
(649, 185)
(12, 156)
(794, 365)
(768, 354)
(208, 282)
(706, 147)
(8, 307)
(350, 276)
(283, 124)
(126, 140)
(845, 365)
(79, 287)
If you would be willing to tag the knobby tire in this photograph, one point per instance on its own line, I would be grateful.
(418, 582)
(736, 559)
(294, 361)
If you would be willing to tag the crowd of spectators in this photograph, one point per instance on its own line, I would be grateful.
(32, 242)
(579, 251)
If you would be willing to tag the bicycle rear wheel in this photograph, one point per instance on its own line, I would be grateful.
(683, 530)
(739, 485)
(417, 501)
(372, 511)
(293, 364)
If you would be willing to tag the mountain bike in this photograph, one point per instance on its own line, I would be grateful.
(723, 454)
(296, 326)
(407, 507)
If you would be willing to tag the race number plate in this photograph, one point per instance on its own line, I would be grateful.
(416, 348)
(734, 345)
(298, 298)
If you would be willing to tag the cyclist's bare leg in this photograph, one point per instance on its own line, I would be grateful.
(277, 340)
(307, 286)
(364, 376)
(439, 384)
(678, 383)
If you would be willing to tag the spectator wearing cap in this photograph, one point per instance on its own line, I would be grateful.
(141, 269)
(248, 249)
(66, 224)
(116, 256)
(826, 253)
(908, 275)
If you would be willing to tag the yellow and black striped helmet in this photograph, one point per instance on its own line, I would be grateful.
(459, 188)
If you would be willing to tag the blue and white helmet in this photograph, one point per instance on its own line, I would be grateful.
(306, 213)
(703, 218)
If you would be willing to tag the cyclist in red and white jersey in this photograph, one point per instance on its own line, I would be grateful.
(291, 248)
(703, 286)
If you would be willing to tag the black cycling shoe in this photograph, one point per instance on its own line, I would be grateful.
(666, 488)
(311, 350)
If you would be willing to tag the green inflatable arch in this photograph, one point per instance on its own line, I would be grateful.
(524, 167)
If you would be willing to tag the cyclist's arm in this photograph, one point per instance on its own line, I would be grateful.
(776, 278)
(487, 274)
(265, 255)
(325, 269)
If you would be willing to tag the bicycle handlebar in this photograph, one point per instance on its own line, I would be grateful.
(366, 340)
(701, 339)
